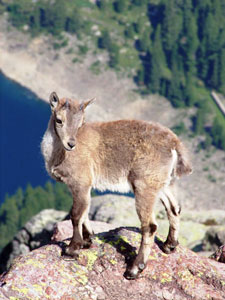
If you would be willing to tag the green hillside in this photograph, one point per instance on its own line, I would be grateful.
(172, 47)
(17, 209)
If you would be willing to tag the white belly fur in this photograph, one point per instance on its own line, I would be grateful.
(122, 185)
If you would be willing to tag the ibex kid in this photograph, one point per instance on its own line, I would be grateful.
(124, 155)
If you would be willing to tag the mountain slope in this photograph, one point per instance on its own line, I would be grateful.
(173, 48)
(34, 65)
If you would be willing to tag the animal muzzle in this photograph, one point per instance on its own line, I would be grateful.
(70, 145)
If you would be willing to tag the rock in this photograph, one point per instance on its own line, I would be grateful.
(214, 238)
(98, 272)
(114, 209)
(121, 211)
(191, 234)
(35, 233)
(64, 230)
(219, 255)
(206, 217)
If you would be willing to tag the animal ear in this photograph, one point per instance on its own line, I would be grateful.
(54, 100)
(86, 103)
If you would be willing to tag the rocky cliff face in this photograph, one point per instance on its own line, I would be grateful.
(35, 233)
(98, 272)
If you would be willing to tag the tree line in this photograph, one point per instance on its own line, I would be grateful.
(17, 209)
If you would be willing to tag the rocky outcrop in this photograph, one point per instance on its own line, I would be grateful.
(210, 217)
(35, 233)
(214, 238)
(114, 209)
(98, 272)
(63, 230)
(200, 230)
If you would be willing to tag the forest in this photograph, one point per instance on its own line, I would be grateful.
(175, 48)
(17, 209)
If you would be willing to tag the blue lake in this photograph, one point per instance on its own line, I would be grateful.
(23, 121)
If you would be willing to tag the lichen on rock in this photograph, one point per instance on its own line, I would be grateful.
(98, 272)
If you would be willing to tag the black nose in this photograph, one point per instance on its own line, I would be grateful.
(71, 144)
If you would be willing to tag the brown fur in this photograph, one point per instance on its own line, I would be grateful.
(114, 155)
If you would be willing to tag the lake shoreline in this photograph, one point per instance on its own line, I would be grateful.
(34, 64)
(18, 65)
(16, 81)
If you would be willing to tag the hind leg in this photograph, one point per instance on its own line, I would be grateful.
(173, 212)
(87, 230)
(145, 199)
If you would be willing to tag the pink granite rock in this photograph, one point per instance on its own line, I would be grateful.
(98, 273)
(64, 230)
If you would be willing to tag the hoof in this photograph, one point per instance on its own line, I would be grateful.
(133, 273)
(74, 250)
(168, 248)
(86, 244)
(74, 253)
(129, 275)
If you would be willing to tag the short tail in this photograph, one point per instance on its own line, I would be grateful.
(184, 165)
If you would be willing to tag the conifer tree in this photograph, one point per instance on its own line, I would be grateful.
(171, 25)
(213, 76)
(34, 21)
(129, 31)
(19, 198)
(121, 5)
(50, 197)
(114, 55)
(189, 90)
(12, 215)
(157, 63)
(55, 17)
(216, 131)
(140, 76)
(74, 23)
(104, 4)
(30, 207)
(144, 42)
(104, 41)
(63, 199)
(222, 71)
(190, 40)
(198, 122)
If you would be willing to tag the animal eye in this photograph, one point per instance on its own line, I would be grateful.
(58, 121)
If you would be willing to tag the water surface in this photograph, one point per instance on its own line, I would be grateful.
(23, 121)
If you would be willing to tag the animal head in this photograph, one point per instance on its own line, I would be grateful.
(68, 117)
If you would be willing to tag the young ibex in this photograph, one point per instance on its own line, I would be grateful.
(119, 156)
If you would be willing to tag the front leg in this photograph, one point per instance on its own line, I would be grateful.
(79, 217)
